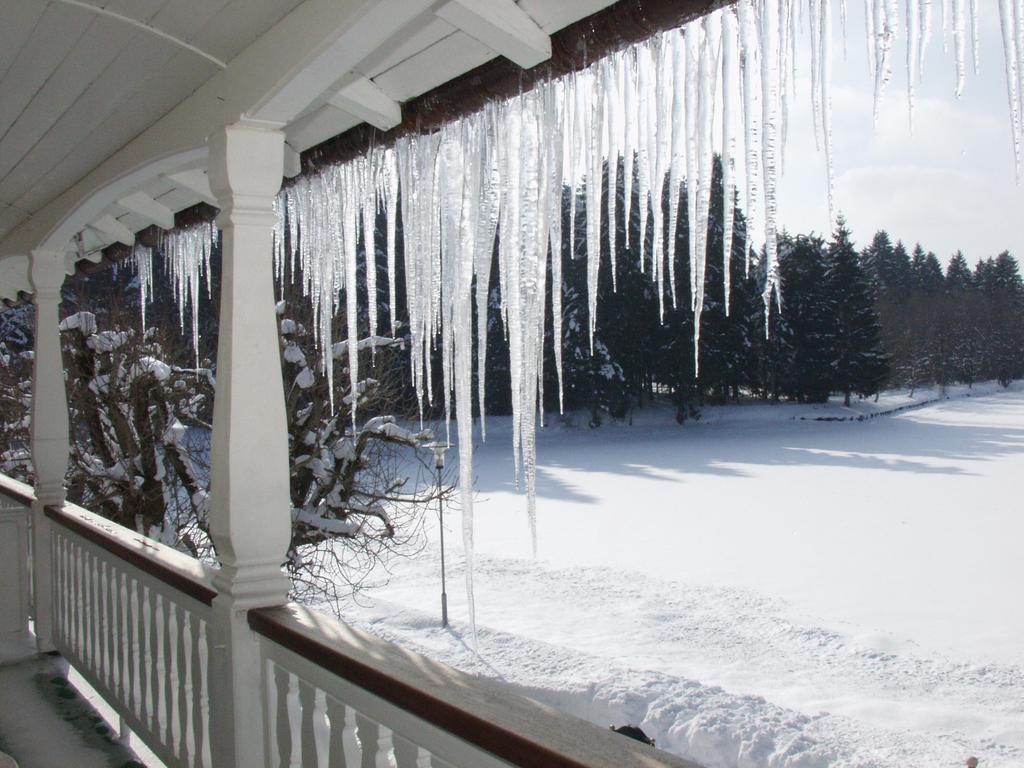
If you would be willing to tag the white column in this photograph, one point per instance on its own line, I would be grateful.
(50, 446)
(250, 515)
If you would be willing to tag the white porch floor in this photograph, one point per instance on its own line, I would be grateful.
(45, 722)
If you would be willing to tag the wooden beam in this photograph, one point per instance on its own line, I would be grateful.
(145, 206)
(319, 125)
(114, 229)
(502, 26)
(363, 99)
(194, 181)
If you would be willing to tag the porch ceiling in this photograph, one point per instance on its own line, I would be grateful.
(91, 90)
(77, 84)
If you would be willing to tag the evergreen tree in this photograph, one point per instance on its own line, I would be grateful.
(926, 272)
(859, 364)
(958, 274)
(809, 330)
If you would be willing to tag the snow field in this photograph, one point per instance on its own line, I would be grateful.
(753, 589)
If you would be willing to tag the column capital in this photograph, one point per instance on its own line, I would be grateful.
(46, 272)
(246, 166)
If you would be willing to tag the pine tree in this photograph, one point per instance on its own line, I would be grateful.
(859, 363)
(809, 330)
(926, 272)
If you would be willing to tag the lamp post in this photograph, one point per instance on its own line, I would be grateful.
(439, 449)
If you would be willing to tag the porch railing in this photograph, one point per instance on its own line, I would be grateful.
(136, 618)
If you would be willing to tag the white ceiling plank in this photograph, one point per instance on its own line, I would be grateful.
(318, 126)
(50, 42)
(84, 64)
(195, 181)
(140, 10)
(19, 21)
(185, 20)
(108, 225)
(452, 56)
(238, 24)
(502, 26)
(413, 40)
(178, 199)
(369, 103)
(149, 209)
(147, 104)
(109, 95)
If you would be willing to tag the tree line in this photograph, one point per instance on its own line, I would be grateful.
(845, 322)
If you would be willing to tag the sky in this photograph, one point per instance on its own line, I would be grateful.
(950, 185)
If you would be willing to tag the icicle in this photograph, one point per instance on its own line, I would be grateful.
(555, 168)
(677, 162)
(350, 199)
(187, 256)
(142, 258)
(816, 70)
(960, 44)
(460, 298)
(1010, 22)
(870, 36)
(787, 72)
(510, 147)
(643, 158)
(709, 64)
(769, 30)
(692, 37)
(885, 35)
(842, 22)
(947, 14)
(391, 213)
(369, 224)
(661, 150)
(729, 77)
(826, 104)
(593, 195)
(975, 34)
(484, 250)
(913, 54)
(926, 33)
(613, 122)
(629, 137)
(1018, 10)
(750, 78)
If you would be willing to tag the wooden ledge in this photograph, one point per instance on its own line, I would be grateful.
(176, 569)
(481, 712)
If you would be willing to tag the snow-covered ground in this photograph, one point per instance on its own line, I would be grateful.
(757, 588)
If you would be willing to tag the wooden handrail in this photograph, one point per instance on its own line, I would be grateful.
(130, 547)
(452, 701)
(17, 491)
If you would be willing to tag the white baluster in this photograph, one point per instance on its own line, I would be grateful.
(135, 650)
(294, 715)
(307, 724)
(345, 750)
(183, 690)
(321, 729)
(204, 696)
(406, 753)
